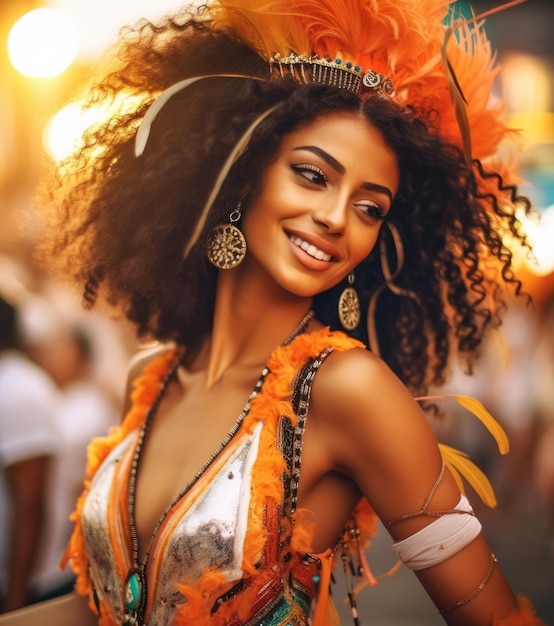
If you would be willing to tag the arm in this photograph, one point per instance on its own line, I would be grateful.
(377, 435)
(68, 610)
(27, 488)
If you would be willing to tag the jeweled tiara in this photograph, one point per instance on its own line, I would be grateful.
(328, 71)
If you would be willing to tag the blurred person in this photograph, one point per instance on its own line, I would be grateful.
(29, 441)
(83, 410)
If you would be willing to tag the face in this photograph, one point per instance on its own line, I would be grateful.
(321, 205)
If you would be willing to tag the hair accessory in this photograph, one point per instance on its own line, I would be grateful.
(349, 305)
(326, 71)
(227, 247)
(390, 276)
(406, 44)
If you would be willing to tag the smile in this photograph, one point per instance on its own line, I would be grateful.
(310, 249)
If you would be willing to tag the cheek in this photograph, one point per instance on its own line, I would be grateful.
(364, 244)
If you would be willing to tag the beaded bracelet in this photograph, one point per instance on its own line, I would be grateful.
(476, 592)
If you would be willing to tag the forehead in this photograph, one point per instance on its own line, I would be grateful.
(351, 139)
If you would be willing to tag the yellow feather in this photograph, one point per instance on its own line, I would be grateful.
(494, 428)
(477, 408)
(460, 467)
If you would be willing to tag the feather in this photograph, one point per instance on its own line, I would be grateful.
(143, 132)
(494, 428)
(461, 466)
(238, 149)
(458, 100)
(404, 40)
(325, 613)
(481, 413)
(372, 583)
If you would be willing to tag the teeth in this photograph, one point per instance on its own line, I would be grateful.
(310, 249)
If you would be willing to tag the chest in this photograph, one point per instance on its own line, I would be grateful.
(190, 428)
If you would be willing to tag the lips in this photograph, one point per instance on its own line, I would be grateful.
(310, 249)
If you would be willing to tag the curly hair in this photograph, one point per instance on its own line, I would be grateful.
(120, 224)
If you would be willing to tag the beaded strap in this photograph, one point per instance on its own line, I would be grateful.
(301, 405)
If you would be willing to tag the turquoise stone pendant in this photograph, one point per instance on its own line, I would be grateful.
(134, 597)
(132, 592)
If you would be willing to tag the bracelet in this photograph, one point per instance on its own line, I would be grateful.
(476, 592)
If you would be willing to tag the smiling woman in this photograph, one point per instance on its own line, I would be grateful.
(320, 207)
(282, 173)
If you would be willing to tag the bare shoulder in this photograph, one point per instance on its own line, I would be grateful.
(367, 416)
(357, 379)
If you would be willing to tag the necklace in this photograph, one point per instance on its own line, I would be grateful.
(135, 584)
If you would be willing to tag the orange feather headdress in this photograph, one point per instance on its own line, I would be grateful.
(419, 50)
(433, 59)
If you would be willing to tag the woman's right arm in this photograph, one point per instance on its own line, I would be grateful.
(67, 610)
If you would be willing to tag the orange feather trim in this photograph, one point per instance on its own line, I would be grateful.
(268, 406)
(145, 390)
(525, 617)
(273, 402)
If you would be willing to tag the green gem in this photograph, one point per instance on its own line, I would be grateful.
(348, 64)
(338, 61)
(132, 593)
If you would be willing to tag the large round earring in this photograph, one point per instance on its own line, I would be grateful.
(349, 305)
(227, 246)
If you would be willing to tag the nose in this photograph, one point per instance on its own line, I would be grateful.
(331, 214)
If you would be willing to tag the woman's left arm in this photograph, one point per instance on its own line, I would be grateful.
(379, 436)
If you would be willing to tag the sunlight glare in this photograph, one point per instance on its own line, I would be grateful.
(43, 43)
(63, 134)
(540, 234)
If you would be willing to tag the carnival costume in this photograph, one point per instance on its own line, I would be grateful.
(232, 549)
(246, 558)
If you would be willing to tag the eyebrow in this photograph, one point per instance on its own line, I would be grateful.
(339, 167)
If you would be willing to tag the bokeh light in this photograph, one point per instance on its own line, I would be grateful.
(43, 43)
(540, 233)
(64, 131)
(63, 134)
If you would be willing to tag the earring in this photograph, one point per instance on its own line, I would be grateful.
(227, 246)
(389, 275)
(349, 305)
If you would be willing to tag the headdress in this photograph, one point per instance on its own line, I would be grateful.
(418, 52)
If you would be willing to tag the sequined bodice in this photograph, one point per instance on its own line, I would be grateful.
(206, 528)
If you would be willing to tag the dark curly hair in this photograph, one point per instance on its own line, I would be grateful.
(120, 223)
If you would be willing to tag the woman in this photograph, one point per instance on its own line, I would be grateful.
(247, 192)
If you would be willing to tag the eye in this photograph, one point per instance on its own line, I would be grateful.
(311, 173)
(372, 209)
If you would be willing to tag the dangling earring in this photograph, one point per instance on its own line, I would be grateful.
(389, 275)
(349, 305)
(227, 246)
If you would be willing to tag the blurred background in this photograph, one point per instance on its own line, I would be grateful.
(47, 48)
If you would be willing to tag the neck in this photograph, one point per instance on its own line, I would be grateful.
(247, 327)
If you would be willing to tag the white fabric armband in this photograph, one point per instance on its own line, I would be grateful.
(441, 539)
